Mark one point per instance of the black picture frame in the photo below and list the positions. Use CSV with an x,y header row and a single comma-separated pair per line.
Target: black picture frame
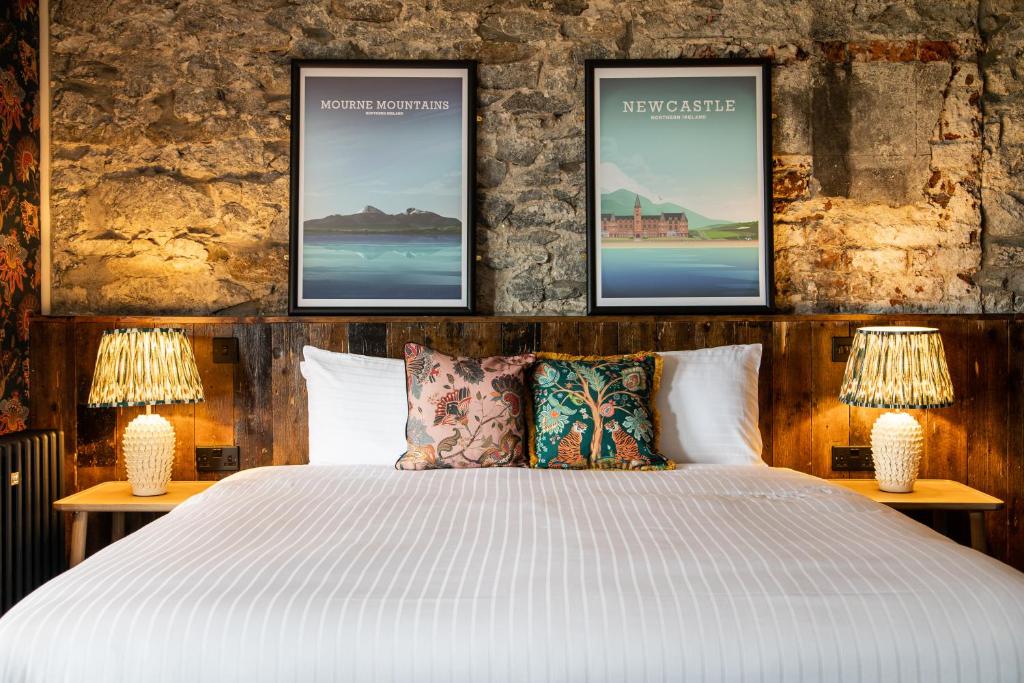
x,y
597,305
297,303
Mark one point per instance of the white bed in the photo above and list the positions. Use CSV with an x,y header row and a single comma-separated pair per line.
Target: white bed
x,y
366,573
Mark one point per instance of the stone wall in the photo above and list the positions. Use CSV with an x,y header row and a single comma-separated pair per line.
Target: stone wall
x,y
1002,276
170,142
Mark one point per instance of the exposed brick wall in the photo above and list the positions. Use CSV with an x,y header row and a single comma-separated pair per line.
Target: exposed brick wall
x,y
170,180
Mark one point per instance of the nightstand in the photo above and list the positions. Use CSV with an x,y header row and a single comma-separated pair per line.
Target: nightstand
x,y
938,495
116,497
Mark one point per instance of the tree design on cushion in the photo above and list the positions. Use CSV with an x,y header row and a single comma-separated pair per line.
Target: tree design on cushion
x,y
595,413
464,412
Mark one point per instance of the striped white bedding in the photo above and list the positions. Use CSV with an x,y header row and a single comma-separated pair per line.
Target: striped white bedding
x,y
365,573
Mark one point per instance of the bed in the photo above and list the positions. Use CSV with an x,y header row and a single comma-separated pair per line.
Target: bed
x,y
708,572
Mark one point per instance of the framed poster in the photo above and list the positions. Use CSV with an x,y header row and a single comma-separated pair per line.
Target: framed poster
x,y
382,185
679,204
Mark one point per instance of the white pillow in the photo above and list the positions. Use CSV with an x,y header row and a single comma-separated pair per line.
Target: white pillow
x,y
357,408
707,405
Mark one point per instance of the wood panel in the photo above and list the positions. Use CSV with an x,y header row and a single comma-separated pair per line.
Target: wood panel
x,y
636,337
830,419
946,441
518,338
598,339
987,429
761,333
260,402
790,399
253,389
368,339
288,393
1015,446
332,337
559,336
96,455
215,416
675,335
53,388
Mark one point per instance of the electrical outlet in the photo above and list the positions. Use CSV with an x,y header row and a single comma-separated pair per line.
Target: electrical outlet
x,y
852,459
217,458
841,349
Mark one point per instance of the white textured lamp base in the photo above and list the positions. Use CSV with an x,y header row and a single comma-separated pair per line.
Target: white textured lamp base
x,y
149,454
896,445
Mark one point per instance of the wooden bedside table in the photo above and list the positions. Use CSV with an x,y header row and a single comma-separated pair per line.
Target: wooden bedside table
x,y
116,497
936,495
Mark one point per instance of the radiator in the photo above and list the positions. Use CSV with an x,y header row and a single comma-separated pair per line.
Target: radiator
x,y
31,532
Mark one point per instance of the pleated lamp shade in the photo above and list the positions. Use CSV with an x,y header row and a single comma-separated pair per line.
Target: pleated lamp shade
x,y
144,366
898,368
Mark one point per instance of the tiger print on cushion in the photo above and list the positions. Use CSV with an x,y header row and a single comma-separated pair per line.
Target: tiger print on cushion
x,y
570,449
595,413
627,453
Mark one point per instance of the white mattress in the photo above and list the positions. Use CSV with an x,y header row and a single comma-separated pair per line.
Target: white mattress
x,y
366,573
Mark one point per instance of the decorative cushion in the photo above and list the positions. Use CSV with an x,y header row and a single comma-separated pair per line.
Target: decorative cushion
x,y
708,405
592,412
464,412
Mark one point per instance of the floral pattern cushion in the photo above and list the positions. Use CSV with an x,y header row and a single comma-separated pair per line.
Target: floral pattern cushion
x,y
596,413
464,412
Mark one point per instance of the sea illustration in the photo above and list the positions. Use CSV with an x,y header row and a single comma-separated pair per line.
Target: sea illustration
x,y
685,271
374,255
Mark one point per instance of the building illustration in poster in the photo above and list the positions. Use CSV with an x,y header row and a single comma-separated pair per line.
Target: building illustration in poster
x,y
679,196
383,202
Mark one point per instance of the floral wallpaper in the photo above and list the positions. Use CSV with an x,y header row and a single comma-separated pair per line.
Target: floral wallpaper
x,y
19,202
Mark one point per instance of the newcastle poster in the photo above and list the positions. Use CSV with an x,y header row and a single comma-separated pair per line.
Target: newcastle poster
x,y
680,203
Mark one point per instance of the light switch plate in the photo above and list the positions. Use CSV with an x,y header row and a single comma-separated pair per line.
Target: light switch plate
x,y
841,349
225,349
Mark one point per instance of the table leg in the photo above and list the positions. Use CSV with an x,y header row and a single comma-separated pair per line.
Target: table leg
x,y
978,531
79,526
116,527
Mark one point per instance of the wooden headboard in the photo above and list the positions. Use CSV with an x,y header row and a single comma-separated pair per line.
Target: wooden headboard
x,y
260,402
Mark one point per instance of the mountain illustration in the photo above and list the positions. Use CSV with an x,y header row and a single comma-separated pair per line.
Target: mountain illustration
x,y
620,203
372,219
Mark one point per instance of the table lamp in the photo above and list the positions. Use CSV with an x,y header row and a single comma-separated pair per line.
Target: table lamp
x,y
146,367
898,368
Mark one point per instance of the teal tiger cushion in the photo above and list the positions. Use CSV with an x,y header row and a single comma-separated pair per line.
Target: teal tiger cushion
x,y
595,413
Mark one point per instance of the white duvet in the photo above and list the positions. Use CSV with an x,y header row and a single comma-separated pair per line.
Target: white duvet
x,y
365,573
